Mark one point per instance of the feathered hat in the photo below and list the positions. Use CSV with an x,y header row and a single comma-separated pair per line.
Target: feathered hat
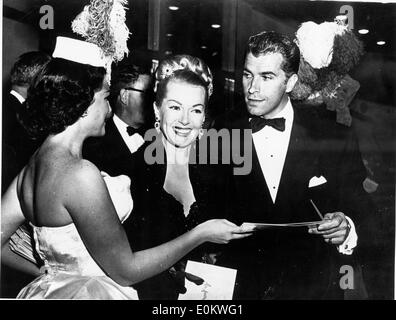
x,y
102,25
328,52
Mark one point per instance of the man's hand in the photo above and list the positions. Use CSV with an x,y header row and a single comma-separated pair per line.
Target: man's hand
x,y
334,228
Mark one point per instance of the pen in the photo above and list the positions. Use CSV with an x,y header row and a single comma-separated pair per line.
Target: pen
x,y
316,209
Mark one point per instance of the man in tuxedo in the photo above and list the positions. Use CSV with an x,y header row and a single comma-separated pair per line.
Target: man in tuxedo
x,y
17,146
300,158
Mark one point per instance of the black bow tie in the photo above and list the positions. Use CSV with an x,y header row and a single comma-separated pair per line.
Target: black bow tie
x,y
257,123
131,131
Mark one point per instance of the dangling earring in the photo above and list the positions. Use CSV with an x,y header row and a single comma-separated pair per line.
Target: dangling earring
x,y
200,133
84,114
157,125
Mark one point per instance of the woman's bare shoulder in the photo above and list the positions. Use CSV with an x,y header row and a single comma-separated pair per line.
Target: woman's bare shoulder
x,y
82,171
82,184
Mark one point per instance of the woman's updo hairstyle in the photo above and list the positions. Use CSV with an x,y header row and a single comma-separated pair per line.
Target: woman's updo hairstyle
x,y
60,95
183,68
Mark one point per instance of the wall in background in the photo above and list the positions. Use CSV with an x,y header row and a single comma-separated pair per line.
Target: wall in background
x,y
18,38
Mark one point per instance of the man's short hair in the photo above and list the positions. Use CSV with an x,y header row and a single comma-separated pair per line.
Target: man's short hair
x,y
123,76
27,67
273,42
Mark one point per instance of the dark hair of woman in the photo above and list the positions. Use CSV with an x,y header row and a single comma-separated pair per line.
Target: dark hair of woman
x,y
59,96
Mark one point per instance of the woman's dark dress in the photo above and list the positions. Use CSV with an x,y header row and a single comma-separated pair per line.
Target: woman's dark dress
x,y
158,217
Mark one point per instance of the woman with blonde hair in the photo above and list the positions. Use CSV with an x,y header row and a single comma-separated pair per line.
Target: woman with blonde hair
x,y
171,170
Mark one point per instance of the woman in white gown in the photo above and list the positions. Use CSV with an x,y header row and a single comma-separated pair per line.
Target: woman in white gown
x,y
77,228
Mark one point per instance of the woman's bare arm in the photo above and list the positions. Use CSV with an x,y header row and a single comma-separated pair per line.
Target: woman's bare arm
x,y
92,210
11,219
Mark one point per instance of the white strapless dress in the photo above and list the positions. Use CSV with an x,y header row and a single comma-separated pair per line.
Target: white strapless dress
x,y
69,270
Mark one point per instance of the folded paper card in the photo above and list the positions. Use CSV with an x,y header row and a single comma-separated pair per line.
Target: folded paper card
x,y
316,181
218,282
262,226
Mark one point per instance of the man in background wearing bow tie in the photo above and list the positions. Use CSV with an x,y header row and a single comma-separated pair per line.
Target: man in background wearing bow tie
x,y
130,99
298,154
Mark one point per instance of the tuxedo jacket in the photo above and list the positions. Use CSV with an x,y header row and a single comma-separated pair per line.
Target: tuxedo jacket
x,y
17,146
110,152
11,106
290,263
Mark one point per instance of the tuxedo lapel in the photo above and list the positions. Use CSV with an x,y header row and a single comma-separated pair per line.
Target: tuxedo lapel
x,y
300,165
252,191
115,140
109,153
256,176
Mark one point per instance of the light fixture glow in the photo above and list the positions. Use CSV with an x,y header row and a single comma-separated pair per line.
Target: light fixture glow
x,y
363,31
204,47
215,26
381,43
173,8
169,34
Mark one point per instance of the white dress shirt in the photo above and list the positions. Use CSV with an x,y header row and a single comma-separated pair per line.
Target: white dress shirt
x,y
271,146
135,141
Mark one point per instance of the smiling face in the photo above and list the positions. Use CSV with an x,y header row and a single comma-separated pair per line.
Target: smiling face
x,y
182,112
265,84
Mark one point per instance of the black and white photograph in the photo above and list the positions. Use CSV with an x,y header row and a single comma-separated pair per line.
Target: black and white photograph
x,y
210,151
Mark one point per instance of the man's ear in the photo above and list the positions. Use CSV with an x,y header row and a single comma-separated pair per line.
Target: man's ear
x,y
291,82
124,96
156,111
